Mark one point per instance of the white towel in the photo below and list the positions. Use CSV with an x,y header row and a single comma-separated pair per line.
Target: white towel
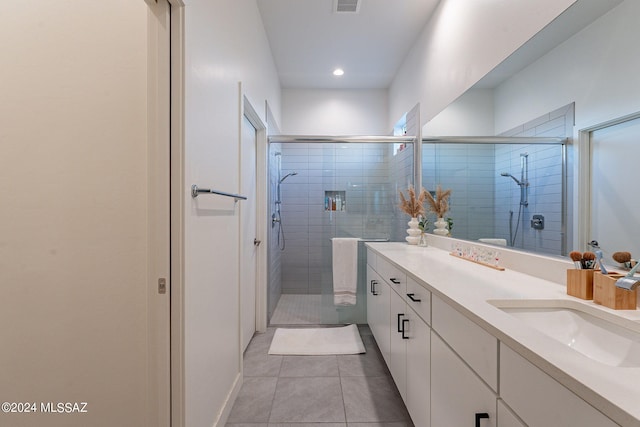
x,y
345,270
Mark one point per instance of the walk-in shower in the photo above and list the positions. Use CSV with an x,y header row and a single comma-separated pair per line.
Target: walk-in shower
x,y
523,183
321,188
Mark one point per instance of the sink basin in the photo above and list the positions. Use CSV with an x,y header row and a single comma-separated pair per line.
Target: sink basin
x,y
598,335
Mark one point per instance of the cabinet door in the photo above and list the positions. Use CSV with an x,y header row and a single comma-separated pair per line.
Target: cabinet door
x,y
398,348
506,418
378,311
539,399
418,398
457,393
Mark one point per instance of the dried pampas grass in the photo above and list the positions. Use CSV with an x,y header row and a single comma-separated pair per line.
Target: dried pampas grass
x,y
412,205
440,204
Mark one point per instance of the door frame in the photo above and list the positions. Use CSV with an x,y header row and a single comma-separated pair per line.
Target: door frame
x,y
165,314
247,110
583,165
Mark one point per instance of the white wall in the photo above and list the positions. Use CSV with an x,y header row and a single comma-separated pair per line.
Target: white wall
x,y
73,215
225,44
469,115
462,42
597,68
335,112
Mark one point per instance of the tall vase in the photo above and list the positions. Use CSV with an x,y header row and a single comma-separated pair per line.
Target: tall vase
x,y
413,232
441,227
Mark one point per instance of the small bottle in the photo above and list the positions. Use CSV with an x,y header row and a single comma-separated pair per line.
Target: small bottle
x,y
338,203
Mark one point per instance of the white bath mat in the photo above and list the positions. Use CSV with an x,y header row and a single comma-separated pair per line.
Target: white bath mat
x,y
317,341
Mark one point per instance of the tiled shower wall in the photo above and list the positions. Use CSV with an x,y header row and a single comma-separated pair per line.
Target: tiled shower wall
x,y
545,192
469,171
365,172
482,199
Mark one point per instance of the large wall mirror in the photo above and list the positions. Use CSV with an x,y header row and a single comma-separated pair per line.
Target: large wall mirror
x,y
580,71
612,205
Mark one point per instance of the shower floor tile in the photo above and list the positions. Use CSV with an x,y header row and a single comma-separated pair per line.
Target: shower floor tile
x,y
294,309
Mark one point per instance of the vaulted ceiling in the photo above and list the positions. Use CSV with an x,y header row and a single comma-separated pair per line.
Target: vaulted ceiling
x,y
309,39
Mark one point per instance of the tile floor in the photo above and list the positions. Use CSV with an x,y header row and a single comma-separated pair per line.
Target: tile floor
x,y
317,391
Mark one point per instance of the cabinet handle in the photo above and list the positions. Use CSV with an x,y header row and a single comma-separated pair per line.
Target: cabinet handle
x,y
373,289
403,329
412,298
400,322
480,416
395,281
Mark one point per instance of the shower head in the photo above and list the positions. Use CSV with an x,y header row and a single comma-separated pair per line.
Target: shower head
x,y
512,177
287,176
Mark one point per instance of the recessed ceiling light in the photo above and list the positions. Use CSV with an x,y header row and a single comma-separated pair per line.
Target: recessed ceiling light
x,y
338,72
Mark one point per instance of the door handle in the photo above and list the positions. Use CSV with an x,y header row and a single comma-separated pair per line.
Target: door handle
x,y
394,281
413,298
373,289
480,416
404,337
400,322
256,242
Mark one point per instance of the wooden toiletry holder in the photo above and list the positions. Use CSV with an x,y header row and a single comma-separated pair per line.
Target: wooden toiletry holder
x,y
606,293
580,283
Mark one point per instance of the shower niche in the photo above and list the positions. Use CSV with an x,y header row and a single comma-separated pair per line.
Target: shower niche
x,y
335,201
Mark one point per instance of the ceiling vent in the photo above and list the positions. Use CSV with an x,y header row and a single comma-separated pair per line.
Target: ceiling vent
x,y
346,6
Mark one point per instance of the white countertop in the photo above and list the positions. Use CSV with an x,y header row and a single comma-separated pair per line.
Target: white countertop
x,y
467,286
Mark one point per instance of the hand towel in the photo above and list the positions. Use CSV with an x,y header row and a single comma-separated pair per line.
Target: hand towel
x,y
345,270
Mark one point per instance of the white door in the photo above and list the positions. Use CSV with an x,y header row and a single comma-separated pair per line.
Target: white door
x,y
248,235
78,190
614,171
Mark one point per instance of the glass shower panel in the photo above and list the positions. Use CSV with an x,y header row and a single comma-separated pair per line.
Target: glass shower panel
x,y
338,190
365,179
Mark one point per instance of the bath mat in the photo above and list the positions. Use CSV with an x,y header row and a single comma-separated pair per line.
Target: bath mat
x,y
317,341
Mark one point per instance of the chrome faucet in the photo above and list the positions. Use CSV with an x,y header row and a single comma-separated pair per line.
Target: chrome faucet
x,y
629,282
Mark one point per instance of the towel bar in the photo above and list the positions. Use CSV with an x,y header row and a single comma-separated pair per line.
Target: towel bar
x,y
195,191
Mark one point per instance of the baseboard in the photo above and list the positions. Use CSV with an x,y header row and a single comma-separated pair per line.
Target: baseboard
x,y
228,404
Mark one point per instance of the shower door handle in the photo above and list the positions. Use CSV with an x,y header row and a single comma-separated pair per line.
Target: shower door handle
x,y
256,242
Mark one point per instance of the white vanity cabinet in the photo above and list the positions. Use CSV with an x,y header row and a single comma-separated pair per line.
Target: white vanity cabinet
x,y
418,369
378,310
541,401
458,396
451,372
477,347
398,344
410,356
404,339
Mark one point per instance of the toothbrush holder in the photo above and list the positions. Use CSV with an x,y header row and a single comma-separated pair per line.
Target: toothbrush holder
x,y
580,283
605,292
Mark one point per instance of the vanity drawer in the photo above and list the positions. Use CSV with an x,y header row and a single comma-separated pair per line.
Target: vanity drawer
x,y
394,276
419,299
371,259
472,343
